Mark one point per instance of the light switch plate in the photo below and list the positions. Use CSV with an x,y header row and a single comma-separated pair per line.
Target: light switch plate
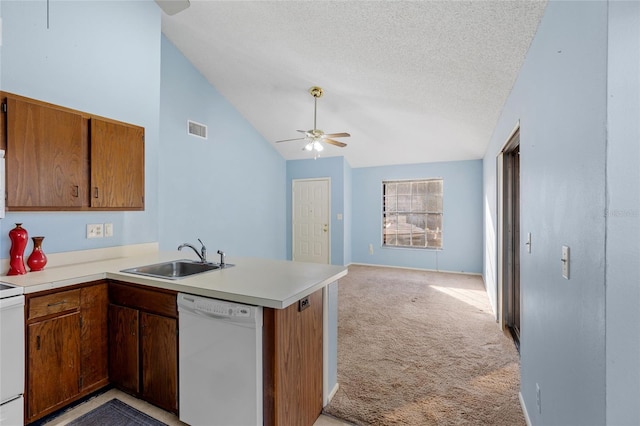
x,y
565,261
108,229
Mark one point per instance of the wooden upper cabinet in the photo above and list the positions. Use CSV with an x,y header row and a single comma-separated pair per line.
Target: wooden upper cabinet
x,y
117,165
62,159
46,156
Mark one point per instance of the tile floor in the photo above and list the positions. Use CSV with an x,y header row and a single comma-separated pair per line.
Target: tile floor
x,y
153,411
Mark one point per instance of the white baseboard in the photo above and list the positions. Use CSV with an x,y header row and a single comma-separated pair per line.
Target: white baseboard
x,y
524,409
333,393
415,269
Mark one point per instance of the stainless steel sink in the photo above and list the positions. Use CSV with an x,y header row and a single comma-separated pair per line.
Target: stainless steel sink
x,y
174,270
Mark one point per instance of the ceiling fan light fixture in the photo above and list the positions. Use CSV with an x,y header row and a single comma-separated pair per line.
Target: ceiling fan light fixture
x,y
315,136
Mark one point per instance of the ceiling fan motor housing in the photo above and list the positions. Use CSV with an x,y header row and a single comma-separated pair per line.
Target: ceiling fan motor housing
x,y
316,91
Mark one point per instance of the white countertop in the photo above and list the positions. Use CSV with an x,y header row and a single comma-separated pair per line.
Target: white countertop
x,y
262,282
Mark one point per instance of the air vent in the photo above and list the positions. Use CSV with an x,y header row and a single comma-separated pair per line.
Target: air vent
x,y
196,129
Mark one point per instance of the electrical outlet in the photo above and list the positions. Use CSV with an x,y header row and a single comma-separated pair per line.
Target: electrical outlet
x,y
95,230
370,248
108,229
303,304
538,399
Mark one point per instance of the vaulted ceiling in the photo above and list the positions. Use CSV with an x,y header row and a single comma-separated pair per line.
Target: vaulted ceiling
x,y
411,81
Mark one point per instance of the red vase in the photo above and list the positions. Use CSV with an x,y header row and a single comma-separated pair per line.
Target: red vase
x,y
18,237
37,260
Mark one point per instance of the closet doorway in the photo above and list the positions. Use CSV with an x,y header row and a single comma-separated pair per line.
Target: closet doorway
x,y
509,235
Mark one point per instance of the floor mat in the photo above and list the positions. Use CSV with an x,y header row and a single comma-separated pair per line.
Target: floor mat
x,y
115,413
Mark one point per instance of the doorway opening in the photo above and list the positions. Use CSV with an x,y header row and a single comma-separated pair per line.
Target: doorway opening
x,y
509,234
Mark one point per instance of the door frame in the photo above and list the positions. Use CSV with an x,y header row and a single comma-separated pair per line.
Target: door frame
x,y
293,211
502,234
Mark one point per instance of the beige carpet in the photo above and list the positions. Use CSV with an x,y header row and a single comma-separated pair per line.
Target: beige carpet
x,y
422,348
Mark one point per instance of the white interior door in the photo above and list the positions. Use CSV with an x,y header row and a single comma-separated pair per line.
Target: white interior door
x,y
311,220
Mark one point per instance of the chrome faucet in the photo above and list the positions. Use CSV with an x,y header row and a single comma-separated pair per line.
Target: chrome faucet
x,y
203,251
221,253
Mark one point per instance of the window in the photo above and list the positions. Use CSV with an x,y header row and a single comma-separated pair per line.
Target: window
x,y
412,213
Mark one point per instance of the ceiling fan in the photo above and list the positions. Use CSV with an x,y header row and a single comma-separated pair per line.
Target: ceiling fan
x,y
315,136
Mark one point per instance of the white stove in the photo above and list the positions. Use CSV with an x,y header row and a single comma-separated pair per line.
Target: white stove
x,y
11,355
8,290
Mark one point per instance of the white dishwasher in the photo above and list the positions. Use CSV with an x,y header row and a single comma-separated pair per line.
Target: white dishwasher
x,y
220,361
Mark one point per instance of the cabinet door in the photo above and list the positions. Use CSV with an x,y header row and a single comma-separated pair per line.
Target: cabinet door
x,y
123,348
94,302
117,165
53,366
46,157
160,361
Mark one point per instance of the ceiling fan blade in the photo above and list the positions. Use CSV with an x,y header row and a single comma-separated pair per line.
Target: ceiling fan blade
x,y
336,143
337,135
289,140
301,131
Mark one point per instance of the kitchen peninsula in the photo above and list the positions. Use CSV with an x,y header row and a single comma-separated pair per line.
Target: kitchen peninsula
x,y
84,308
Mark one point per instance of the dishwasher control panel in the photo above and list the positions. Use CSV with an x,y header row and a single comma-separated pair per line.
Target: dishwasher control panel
x,y
215,308
220,308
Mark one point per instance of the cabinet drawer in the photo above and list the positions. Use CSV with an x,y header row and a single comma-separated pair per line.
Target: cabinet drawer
x,y
41,306
157,302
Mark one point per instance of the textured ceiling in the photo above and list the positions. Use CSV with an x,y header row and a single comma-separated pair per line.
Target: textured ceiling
x,y
415,81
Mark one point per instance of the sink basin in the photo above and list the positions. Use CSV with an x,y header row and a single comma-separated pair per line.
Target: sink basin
x,y
174,270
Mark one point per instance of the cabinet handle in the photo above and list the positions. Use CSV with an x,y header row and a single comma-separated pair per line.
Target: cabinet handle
x,y
95,192
38,343
76,191
62,302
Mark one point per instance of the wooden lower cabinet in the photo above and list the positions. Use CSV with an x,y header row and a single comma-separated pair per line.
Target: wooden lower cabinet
x,y
54,362
143,344
94,361
159,360
124,358
66,347
292,364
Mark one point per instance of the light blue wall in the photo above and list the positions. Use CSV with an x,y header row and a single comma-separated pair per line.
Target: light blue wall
x,y
101,57
337,169
462,220
228,190
560,99
623,215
